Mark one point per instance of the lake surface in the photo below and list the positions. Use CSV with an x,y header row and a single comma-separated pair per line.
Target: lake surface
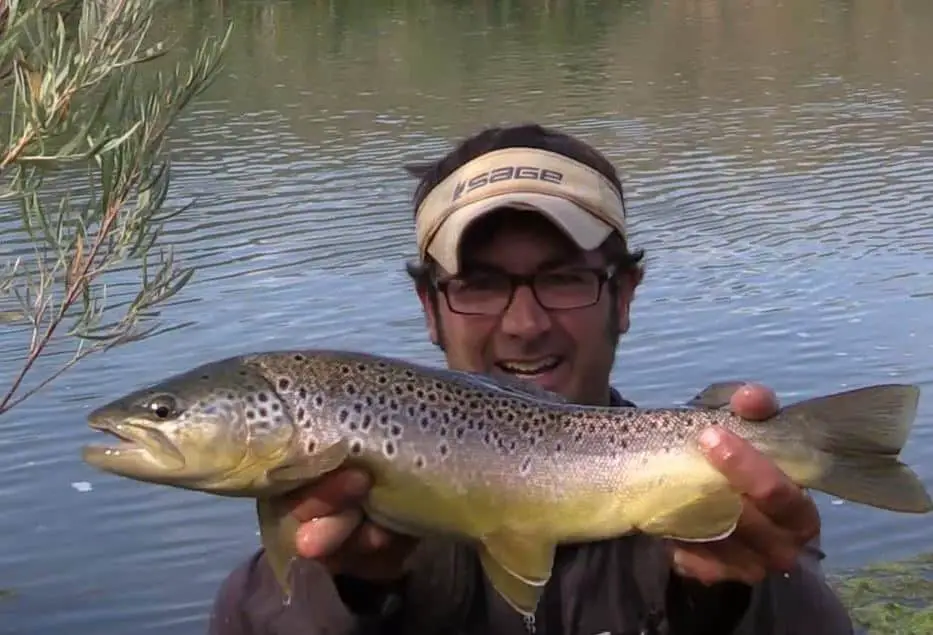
x,y
778,158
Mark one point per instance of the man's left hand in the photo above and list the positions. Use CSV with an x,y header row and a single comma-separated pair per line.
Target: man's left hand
x,y
778,518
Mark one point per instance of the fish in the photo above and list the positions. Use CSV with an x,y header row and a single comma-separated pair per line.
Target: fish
x,y
509,468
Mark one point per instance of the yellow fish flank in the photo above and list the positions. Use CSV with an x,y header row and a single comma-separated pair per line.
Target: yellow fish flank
x,y
507,467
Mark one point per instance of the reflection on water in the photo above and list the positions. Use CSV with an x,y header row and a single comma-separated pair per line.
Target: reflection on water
x,y
779,163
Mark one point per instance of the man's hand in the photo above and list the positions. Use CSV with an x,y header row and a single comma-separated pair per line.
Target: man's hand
x,y
778,518
334,531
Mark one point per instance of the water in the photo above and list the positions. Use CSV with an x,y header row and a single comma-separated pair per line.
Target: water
x,y
778,159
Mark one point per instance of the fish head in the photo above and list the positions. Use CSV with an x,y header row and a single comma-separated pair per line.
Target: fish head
x,y
217,428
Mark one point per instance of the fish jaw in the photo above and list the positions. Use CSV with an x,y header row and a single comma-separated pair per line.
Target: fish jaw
x,y
140,452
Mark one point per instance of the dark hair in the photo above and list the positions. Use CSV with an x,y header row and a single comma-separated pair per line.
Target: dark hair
x,y
615,247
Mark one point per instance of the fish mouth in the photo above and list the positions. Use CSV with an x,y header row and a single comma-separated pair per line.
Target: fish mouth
x,y
136,444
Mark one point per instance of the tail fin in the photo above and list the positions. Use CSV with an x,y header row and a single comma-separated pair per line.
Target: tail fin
x,y
863,431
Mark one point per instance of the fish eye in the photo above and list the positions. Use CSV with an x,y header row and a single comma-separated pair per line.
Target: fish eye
x,y
162,406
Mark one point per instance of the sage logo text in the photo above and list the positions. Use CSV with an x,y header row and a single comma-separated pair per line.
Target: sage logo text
x,y
506,173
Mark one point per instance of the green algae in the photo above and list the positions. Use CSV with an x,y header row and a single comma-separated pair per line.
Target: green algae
x,y
892,598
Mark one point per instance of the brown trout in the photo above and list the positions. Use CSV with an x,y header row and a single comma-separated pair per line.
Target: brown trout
x,y
510,468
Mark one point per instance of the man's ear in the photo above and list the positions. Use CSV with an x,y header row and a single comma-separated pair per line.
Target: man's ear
x,y
626,293
430,314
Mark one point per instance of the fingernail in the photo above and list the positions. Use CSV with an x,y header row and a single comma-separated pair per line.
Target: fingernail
x,y
710,438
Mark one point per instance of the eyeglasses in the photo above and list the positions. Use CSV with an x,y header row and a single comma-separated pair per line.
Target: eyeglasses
x,y
491,293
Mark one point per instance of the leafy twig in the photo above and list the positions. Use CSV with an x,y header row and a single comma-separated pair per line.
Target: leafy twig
x,y
77,104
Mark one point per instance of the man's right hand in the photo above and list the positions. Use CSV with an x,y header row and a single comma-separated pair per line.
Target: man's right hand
x,y
334,531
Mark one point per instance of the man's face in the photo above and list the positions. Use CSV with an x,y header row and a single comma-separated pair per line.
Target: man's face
x,y
568,351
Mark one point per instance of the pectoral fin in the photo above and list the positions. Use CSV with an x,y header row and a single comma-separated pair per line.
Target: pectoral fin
x,y
518,567
308,467
277,529
715,396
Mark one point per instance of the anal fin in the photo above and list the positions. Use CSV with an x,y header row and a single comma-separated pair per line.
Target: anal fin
x,y
518,567
704,518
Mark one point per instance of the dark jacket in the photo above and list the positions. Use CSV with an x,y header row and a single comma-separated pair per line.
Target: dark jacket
x,y
623,586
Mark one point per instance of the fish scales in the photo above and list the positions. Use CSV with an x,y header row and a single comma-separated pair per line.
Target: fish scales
x,y
510,468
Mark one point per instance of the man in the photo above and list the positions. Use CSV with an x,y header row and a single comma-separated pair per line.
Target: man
x,y
524,271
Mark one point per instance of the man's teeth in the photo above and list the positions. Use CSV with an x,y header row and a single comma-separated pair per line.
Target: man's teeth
x,y
530,368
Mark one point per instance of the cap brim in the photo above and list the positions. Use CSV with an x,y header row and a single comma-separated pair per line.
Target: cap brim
x,y
580,225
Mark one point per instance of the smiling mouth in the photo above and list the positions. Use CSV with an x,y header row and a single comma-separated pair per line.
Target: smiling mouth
x,y
530,368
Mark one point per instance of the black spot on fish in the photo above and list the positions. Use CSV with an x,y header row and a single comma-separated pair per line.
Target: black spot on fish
x,y
425,423
318,401
361,367
350,389
343,415
526,465
558,446
395,430
358,408
369,401
300,414
422,407
250,414
284,383
205,377
275,406
526,426
345,370
263,397
302,393
263,412
443,448
419,462
398,390
367,421
356,447
382,379
419,394
388,447
298,357
250,399
459,432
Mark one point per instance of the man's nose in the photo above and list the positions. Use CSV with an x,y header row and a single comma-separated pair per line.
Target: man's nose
x,y
525,317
